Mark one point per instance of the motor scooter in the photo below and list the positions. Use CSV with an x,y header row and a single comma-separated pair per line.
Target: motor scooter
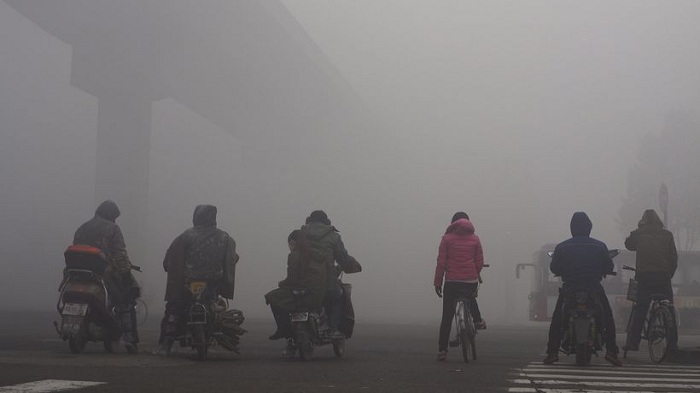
x,y
583,321
208,321
310,328
84,303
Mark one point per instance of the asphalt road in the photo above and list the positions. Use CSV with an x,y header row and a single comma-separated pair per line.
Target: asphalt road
x,y
379,358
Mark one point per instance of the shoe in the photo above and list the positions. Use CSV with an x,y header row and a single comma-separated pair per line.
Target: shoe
x,y
481,325
278,334
442,356
454,343
131,347
337,335
613,359
551,358
290,350
165,347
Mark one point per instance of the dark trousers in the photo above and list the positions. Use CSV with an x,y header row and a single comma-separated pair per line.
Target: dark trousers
x,y
451,292
556,326
172,324
644,291
284,325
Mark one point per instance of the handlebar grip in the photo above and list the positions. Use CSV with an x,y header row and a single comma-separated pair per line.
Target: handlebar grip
x,y
137,268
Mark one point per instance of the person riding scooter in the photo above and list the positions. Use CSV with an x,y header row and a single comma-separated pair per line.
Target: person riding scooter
x,y
102,232
307,270
325,238
581,262
202,252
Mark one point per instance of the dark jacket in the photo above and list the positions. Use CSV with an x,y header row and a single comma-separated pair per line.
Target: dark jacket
x,y
201,253
102,232
307,273
581,260
657,258
326,240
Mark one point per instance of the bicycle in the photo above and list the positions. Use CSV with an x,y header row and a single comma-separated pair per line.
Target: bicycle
x,y
465,330
657,322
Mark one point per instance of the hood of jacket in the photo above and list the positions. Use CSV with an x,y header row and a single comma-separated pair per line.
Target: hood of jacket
x,y
580,224
204,215
317,230
461,227
107,210
650,218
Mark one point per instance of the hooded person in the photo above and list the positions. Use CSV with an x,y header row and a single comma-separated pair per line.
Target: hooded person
x,y
325,239
459,263
656,263
581,262
103,232
307,270
201,253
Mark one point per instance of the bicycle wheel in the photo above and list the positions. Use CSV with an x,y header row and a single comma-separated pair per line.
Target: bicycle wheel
x,y
657,336
141,312
466,333
471,334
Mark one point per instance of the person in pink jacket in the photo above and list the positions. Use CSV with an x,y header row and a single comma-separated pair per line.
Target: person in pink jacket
x,y
459,263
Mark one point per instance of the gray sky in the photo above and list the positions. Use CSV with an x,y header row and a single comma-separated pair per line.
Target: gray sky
x,y
519,113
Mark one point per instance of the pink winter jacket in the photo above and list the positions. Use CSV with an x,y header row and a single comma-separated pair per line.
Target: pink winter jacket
x,y
460,257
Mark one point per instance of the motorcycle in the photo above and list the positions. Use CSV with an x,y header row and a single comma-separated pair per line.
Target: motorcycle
x,y
583,321
310,328
209,321
84,303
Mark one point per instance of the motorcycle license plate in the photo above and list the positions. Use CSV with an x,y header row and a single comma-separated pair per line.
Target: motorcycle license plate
x,y
300,316
75,309
197,287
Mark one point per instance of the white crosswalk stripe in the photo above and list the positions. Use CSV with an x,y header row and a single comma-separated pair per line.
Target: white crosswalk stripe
x,y
47,386
539,378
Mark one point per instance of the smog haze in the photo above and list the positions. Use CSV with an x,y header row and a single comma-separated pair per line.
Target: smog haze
x,y
388,115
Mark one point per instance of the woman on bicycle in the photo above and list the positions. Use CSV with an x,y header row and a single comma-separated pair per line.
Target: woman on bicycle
x,y
460,260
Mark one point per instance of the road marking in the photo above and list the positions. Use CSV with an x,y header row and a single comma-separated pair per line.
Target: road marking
x,y
538,378
593,368
694,388
617,371
611,378
540,390
48,385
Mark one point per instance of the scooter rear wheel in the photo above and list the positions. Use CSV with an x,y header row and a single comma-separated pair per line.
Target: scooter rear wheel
x,y
108,345
76,343
583,354
201,340
306,348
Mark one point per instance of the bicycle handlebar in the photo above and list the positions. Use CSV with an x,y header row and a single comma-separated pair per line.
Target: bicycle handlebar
x,y
625,267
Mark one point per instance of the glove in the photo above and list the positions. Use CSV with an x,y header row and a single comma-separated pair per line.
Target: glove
x,y
438,291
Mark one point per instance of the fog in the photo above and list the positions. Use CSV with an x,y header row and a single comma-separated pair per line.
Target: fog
x,y
389,115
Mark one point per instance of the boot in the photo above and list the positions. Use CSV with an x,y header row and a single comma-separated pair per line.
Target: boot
x,y
283,325
127,320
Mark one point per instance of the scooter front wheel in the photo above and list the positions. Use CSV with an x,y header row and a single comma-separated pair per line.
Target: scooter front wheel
x,y
339,347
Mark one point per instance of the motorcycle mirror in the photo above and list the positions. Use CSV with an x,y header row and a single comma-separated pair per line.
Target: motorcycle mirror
x,y
550,253
614,252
